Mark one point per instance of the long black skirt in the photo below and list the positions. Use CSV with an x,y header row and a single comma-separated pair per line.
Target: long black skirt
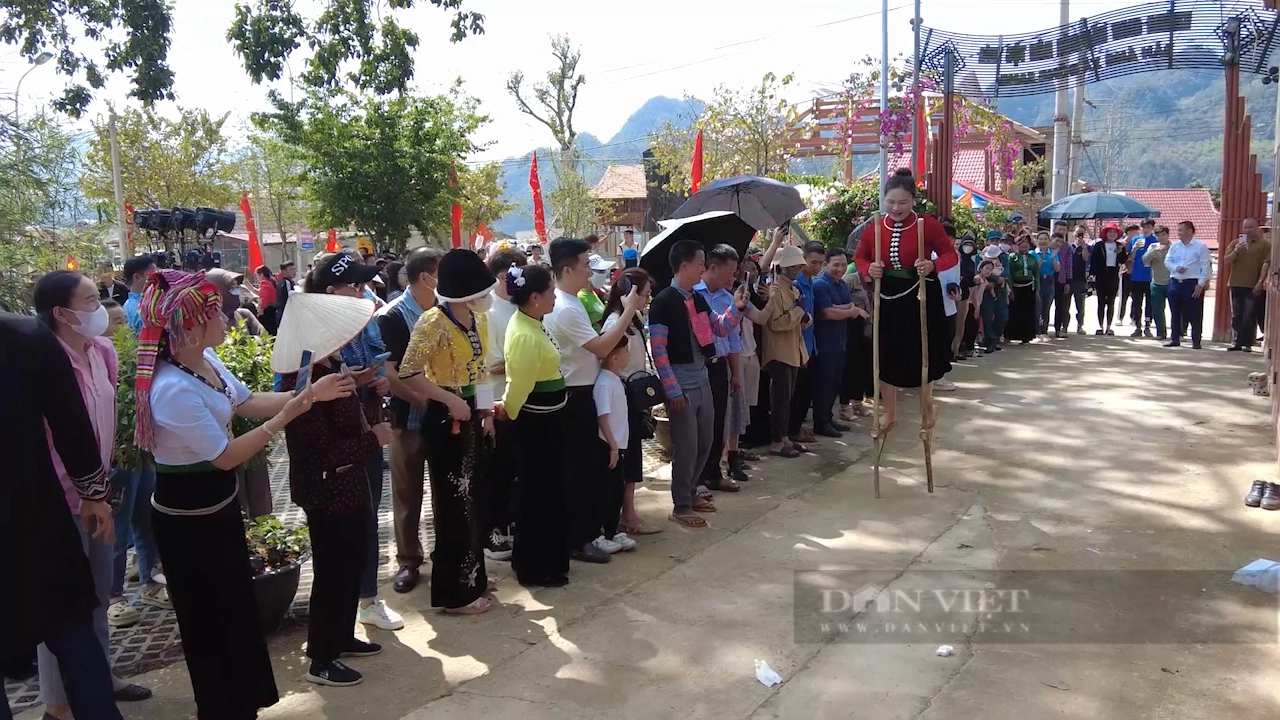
x,y
206,563
1022,314
455,461
900,352
541,549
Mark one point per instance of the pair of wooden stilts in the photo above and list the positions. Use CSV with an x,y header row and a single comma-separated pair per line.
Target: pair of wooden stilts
x,y
926,390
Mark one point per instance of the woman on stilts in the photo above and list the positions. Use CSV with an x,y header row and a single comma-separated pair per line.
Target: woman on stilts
x,y
900,271
446,364
186,398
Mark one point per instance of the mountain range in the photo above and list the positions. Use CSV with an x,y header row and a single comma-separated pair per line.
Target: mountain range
x,y
1155,130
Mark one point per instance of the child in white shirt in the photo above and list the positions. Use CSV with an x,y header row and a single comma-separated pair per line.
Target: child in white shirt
x,y
610,396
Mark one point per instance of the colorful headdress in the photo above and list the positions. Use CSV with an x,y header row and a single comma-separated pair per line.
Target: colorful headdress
x,y
176,302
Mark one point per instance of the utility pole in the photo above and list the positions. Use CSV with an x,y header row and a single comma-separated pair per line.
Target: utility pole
x,y
1061,151
116,180
918,130
884,91
1077,140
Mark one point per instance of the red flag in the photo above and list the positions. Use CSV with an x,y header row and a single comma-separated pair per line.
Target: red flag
x,y
332,245
255,249
696,174
455,212
539,214
72,265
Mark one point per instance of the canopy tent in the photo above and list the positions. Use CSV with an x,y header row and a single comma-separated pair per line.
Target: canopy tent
x,y
977,199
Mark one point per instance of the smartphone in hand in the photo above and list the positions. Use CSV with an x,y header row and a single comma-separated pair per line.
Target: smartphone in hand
x,y
304,374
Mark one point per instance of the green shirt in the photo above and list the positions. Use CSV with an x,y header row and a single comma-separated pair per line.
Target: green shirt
x,y
1023,269
593,305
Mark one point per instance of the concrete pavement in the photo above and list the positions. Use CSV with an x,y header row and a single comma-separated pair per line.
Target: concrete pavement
x,y
1083,454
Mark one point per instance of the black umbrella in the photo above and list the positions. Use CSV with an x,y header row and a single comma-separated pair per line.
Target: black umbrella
x,y
1094,206
708,229
762,202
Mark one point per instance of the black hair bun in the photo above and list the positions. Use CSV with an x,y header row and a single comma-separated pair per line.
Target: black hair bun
x,y
902,172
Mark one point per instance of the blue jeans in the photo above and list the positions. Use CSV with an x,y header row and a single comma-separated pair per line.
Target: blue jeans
x,y
995,312
369,578
133,525
100,554
1044,302
1159,293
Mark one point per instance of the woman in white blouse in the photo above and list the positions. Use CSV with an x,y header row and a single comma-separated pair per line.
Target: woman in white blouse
x,y
186,398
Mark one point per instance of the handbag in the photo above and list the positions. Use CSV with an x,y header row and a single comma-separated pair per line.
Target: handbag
x,y
644,388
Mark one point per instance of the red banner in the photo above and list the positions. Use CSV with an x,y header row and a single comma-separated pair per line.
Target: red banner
x,y
539,213
332,246
72,265
695,175
255,249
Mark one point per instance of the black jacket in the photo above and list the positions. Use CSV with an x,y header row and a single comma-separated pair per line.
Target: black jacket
x,y
668,309
42,557
1098,260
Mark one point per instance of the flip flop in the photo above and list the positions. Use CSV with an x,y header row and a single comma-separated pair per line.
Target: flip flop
x,y
475,607
690,521
702,506
750,456
787,452
799,447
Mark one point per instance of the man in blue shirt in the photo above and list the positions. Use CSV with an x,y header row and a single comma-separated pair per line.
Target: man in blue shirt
x,y
136,271
722,370
1046,287
1140,277
815,255
833,309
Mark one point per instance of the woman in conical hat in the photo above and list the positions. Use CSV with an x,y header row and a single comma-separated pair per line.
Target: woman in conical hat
x,y
446,363
186,398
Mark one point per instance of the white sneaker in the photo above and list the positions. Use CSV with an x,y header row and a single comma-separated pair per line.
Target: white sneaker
x,y
624,542
944,385
606,545
380,616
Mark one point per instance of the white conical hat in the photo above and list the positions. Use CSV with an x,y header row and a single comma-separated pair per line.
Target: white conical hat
x,y
319,322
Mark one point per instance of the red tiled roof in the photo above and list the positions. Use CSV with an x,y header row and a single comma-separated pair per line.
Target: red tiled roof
x,y
968,167
621,182
1176,205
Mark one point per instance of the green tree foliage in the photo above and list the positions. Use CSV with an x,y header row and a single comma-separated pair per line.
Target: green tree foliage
x,y
129,37
379,165
480,192
844,207
38,168
271,171
575,210
354,43
743,133
164,163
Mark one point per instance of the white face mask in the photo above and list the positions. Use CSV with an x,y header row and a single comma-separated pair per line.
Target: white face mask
x,y
92,324
599,280
480,305
235,291
1005,247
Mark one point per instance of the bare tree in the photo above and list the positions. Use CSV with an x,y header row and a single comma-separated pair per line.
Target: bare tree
x,y
557,97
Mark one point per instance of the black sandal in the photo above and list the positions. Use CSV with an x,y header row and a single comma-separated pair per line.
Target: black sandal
x,y
787,452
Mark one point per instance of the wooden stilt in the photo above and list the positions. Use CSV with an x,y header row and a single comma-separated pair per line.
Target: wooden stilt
x,y
926,389
875,366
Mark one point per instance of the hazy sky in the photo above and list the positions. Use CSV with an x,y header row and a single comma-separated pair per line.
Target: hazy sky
x,y
631,51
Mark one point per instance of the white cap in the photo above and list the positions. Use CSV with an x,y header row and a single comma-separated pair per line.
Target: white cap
x,y
598,263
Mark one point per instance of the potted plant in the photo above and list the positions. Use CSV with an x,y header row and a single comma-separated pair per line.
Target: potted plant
x,y
275,557
248,357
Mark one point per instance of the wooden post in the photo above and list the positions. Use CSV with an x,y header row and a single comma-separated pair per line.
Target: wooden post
x,y
875,366
926,390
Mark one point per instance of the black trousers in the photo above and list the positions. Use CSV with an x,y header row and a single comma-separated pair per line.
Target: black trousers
x,y
1140,292
856,383
718,375
1062,308
1244,306
498,504
801,400
1126,289
1106,288
339,552
582,484
610,495
1184,309
829,367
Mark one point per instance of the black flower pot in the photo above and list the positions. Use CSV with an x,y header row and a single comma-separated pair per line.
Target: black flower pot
x,y
274,592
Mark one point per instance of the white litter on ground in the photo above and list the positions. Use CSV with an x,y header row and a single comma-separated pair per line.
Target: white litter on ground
x,y
1261,573
946,651
766,675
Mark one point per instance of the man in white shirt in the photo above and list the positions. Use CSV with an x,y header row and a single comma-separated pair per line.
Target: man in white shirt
x,y
1189,266
581,350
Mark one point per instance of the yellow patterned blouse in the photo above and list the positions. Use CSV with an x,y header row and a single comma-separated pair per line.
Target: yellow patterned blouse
x,y
449,356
